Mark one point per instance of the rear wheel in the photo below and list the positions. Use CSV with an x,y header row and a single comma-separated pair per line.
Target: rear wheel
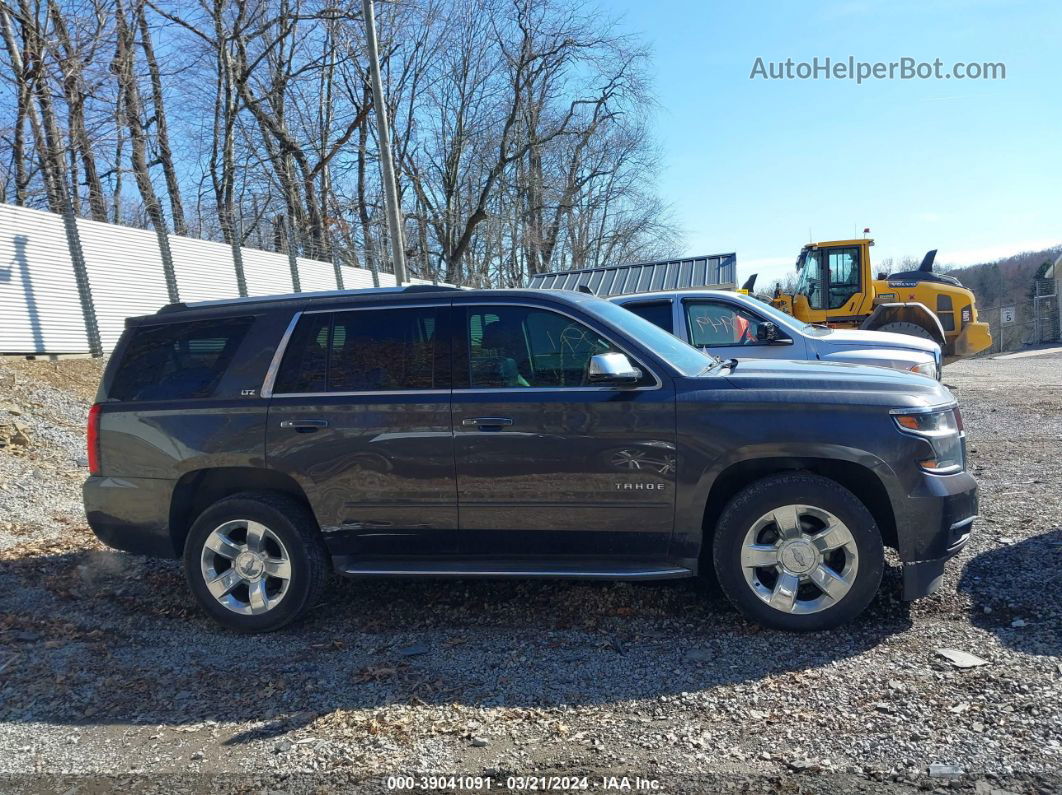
x,y
904,327
255,561
798,551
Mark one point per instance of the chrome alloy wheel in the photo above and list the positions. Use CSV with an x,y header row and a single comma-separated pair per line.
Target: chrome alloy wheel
x,y
799,559
246,567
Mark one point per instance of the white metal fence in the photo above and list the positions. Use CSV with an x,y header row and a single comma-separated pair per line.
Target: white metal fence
x,y
40,309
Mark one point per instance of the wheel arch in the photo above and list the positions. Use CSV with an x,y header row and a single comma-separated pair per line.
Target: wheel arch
x,y
199,489
855,476
910,312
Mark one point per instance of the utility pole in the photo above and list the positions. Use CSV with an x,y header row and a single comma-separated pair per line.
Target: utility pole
x,y
383,134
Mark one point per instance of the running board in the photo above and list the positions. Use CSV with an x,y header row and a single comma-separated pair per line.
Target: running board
x,y
503,569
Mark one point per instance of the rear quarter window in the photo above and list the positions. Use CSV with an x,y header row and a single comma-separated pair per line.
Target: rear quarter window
x,y
177,361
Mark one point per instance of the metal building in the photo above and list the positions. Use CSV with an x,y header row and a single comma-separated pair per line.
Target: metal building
x,y
718,271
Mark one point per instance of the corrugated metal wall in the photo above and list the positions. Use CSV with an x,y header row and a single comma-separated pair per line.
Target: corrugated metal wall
x,y
39,307
717,270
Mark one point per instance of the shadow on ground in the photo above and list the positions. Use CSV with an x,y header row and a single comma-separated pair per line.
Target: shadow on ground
x,y
92,637
1016,593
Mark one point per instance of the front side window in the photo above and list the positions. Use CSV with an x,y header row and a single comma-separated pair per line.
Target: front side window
x,y
177,361
716,323
382,350
844,275
520,347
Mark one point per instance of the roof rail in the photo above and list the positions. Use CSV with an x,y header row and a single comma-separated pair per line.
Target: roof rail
x,y
259,299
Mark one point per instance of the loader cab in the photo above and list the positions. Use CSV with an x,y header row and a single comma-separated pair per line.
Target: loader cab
x,y
833,281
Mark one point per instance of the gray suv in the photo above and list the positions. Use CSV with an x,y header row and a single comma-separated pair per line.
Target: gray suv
x,y
432,432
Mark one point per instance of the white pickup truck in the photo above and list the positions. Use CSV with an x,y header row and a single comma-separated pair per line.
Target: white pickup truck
x,y
733,325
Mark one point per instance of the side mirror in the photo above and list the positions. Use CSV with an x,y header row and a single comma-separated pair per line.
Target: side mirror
x,y
612,368
767,332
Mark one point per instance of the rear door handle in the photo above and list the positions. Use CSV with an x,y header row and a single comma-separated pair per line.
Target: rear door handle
x,y
486,421
304,426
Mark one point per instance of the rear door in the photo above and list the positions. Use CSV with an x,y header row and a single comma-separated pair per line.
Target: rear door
x,y
730,330
549,465
360,417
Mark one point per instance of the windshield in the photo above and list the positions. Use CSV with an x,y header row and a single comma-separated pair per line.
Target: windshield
x,y
684,358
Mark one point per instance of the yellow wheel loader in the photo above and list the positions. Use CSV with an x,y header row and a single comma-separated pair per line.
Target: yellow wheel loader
x,y
835,287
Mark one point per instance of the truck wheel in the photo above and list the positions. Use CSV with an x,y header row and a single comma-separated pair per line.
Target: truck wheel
x,y
904,327
798,552
255,561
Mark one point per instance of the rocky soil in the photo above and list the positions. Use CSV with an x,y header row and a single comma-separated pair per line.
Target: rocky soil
x,y
111,678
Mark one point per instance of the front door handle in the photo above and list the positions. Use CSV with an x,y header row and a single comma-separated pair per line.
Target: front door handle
x,y
304,426
486,421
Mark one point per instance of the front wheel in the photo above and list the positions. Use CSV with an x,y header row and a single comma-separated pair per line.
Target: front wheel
x,y
255,561
798,552
905,327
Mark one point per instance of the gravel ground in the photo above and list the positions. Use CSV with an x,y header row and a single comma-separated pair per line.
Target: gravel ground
x,y
110,678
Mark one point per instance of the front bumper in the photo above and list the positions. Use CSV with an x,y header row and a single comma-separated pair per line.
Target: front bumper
x,y
131,514
935,525
923,577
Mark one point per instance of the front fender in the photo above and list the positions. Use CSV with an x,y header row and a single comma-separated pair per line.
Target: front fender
x,y
697,499
909,312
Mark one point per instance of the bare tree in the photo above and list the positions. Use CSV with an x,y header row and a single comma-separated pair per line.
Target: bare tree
x,y
125,72
519,127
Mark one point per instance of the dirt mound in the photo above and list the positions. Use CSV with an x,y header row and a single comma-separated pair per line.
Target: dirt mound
x,y
43,409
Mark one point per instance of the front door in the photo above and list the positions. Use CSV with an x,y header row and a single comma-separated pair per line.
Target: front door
x,y
360,418
843,297
549,464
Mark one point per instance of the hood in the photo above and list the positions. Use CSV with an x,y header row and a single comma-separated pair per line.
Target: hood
x,y
878,339
835,382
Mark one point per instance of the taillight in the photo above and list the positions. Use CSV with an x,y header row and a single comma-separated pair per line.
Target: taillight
x,y
92,439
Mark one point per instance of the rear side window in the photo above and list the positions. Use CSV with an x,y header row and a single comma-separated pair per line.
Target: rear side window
x,y
658,313
379,350
177,361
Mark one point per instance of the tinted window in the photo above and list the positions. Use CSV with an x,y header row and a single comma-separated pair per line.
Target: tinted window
x,y
178,360
305,365
366,351
657,313
713,323
515,346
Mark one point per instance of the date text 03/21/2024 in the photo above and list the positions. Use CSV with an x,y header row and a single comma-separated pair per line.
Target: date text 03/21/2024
x,y
438,783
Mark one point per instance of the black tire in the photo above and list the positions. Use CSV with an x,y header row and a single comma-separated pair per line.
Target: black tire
x,y
745,510
294,526
906,327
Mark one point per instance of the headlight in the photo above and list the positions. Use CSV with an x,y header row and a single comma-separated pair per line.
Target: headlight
x,y
928,369
942,429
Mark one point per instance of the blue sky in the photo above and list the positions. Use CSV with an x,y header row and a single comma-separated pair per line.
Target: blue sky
x,y
970,167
